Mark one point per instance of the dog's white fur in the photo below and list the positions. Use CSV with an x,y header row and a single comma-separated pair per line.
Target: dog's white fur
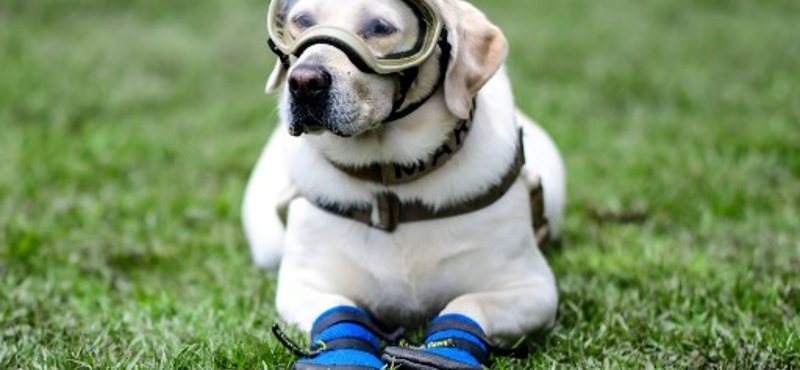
x,y
485,264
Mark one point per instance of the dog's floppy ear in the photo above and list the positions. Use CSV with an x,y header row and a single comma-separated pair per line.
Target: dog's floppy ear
x,y
479,48
276,78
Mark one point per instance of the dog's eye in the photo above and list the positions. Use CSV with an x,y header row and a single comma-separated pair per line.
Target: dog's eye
x,y
303,21
378,27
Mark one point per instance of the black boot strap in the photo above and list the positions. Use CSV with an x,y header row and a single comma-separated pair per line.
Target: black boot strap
x,y
457,324
462,344
346,343
348,316
322,346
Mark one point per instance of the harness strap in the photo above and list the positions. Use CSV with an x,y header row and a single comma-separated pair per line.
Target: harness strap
x,y
395,173
541,226
391,211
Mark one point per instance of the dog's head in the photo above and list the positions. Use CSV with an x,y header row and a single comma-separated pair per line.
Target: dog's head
x,y
328,88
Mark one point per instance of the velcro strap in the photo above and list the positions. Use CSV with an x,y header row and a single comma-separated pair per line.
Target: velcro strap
x,y
462,344
346,343
353,315
446,323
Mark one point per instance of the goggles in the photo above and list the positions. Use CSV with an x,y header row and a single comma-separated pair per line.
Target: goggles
x,y
292,29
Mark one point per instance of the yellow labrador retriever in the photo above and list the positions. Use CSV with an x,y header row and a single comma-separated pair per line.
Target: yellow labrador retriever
x,y
404,188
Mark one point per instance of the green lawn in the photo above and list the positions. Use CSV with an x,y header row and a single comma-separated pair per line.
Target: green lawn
x,y
128,128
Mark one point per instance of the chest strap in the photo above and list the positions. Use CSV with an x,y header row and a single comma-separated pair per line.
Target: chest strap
x,y
389,211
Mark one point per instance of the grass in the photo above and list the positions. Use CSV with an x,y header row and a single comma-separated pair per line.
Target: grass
x,y
129,128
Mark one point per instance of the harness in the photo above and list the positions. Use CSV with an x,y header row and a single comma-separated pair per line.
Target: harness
x,y
388,211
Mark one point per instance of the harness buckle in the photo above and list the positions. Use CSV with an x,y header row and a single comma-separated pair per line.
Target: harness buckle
x,y
388,211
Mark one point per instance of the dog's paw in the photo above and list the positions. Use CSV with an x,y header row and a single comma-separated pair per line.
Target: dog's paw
x,y
453,342
343,338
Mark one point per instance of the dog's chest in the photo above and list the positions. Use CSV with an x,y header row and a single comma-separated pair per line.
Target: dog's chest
x,y
414,271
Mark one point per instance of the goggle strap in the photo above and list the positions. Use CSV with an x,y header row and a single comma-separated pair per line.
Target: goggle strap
x,y
446,49
444,61
281,55
407,79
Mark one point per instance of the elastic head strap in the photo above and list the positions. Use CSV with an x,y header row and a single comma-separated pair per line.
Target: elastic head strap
x,y
407,80
284,59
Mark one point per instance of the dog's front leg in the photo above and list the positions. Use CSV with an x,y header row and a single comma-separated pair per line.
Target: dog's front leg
x,y
507,315
343,336
268,191
473,325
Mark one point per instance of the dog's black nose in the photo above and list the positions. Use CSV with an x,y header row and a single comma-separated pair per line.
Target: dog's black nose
x,y
309,82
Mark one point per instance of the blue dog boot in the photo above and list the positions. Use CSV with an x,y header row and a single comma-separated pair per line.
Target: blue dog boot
x,y
452,342
343,338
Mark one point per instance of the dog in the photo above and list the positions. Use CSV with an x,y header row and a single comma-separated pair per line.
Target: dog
x,y
402,198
